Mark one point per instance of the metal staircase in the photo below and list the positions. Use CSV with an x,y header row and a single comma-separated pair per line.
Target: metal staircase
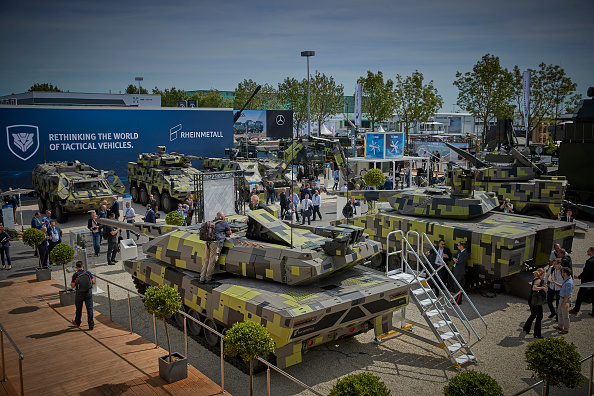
x,y
447,326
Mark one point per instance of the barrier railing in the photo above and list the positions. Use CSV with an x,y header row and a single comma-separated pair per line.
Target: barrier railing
x,y
545,386
205,326
18,351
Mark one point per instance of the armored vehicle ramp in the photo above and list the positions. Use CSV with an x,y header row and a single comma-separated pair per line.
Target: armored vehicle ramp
x,y
447,326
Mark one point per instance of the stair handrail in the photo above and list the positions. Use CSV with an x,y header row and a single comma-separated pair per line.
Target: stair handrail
x,y
19,353
401,251
451,276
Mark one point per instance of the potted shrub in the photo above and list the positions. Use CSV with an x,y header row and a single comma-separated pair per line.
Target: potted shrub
x,y
472,383
360,384
374,177
164,301
248,339
63,254
174,218
554,361
33,237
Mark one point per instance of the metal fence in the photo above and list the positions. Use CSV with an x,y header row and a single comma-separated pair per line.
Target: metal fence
x,y
17,350
186,317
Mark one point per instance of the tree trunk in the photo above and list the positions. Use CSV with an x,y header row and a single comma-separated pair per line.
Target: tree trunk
x,y
168,342
65,282
251,377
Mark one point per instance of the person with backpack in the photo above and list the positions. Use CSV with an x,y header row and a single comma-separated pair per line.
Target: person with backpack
x,y
111,234
83,282
216,232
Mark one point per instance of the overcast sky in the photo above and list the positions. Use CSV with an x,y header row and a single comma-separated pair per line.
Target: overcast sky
x,y
98,46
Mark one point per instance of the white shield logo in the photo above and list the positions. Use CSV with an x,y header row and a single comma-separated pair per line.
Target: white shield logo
x,y
23,140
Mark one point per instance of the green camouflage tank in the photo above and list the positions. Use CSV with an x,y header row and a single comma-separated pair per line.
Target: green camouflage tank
x,y
72,187
168,176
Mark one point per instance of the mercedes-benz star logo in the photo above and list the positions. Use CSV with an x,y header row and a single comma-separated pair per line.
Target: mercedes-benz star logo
x,y
280,119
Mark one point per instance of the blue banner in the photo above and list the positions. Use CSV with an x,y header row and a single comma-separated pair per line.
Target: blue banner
x,y
105,138
394,145
374,145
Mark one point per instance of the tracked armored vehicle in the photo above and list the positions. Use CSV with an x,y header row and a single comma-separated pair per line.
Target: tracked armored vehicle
x,y
302,285
168,176
72,187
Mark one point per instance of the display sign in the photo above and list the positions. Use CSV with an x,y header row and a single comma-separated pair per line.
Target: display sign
x,y
374,145
104,138
257,124
394,145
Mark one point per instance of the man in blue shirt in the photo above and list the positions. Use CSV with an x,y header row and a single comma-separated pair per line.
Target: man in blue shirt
x,y
565,294
336,179
47,218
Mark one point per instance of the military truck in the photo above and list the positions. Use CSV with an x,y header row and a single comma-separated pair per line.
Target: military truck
x,y
168,176
302,285
69,187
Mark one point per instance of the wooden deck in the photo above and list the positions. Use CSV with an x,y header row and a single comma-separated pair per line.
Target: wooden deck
x,y
61,359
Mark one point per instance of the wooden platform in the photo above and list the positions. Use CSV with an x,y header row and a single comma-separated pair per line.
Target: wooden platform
x,y
61,359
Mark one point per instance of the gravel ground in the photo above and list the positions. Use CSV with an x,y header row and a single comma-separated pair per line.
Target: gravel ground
x,y
404,364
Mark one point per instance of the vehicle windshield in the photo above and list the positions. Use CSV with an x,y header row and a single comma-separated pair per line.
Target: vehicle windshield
x,y
88,185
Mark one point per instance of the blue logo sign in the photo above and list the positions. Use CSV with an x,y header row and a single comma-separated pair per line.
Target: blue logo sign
x,y
23,140
374,145
394,145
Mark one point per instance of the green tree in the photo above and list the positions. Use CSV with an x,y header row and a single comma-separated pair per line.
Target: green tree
x,y
293,95
358,385
174,218
133,89
472,383
571,104
33,237
169,97
415,101
326,98
266,99
162,301
211,99
45,87
550,88
62,254
487,91
248,340
377,97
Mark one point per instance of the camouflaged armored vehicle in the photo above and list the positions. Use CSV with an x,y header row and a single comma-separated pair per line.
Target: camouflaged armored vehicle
x,y
531,193
72,187
168,176
300,284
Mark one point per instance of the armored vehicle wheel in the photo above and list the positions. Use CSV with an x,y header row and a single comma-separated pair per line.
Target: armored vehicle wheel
x,y
143,196
211,338
157,197
169,203
377,260
140,285
53,206
42,203
194,328
61,214
134,193
179,318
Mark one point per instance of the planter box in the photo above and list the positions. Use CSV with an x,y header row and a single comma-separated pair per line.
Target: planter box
x,y
175,371
43,274
67,297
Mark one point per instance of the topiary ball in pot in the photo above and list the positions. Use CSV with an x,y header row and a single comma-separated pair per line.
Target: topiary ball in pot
x,y
174,218
472,383
360,384
554,361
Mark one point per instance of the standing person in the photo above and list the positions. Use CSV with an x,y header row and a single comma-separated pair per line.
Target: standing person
x,y
336,180
53,236
565,259
269,193
112,241
93,226
316,200
190,212
538,284
290,213
283,202
507,206
554,253
149,216
554,279
295,201
102,212
115,207
459,269
565,293
182,211
315,188
350,208
42,248
344,187
153,202
438,262
586,276
5,248
407,174
129,215
306,209
13,200
212,250
83,282
36,221
568,217
47,218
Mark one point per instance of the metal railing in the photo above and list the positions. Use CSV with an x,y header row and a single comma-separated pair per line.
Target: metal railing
x,y
18,351
205,326
545,385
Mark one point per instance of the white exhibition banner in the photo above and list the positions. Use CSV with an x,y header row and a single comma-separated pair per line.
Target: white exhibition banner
x,y
358,104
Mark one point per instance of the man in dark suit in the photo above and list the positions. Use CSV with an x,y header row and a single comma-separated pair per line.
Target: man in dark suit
x,y
586,276
115,207
434,259
568,217
459,269
53,236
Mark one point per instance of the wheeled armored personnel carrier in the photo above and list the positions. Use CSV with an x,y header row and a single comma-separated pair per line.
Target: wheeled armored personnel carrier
x,y
72,187
302,285
168,176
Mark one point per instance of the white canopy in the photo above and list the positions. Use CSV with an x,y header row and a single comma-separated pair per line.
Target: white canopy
x,y
325,131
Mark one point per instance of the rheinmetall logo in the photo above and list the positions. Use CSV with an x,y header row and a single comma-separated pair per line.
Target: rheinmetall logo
x,y
176,132
23,140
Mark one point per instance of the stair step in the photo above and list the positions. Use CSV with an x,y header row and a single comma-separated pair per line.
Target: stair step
x,y
435,312
426,302
449,335
408,278
441,323
454,347
465,359
421,290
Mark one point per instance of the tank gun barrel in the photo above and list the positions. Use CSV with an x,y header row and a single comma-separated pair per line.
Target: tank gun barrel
x,y
238,114
474,161
150,230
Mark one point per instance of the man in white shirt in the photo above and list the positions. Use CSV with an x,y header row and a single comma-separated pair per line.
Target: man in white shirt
x,y
317,202
554,253
344,188
307,208
129,215
554,278
507,206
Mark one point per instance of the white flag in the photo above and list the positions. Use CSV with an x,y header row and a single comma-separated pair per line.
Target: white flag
x,y
358,105
526,100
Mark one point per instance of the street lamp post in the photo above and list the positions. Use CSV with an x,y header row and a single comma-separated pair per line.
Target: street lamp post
x,y
139,79
308,54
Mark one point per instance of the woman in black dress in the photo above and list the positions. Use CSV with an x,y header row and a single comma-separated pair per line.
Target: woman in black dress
x,y
536,310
